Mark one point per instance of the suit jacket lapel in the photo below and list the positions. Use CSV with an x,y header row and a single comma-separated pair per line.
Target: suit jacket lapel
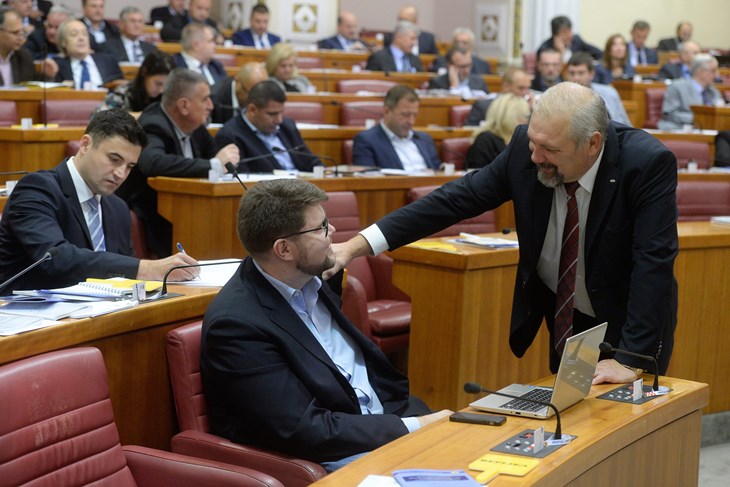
x,y
386,146
259,146
69,191
604,189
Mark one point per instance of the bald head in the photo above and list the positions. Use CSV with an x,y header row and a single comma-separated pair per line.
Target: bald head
x,y
249,75
409,13
347,25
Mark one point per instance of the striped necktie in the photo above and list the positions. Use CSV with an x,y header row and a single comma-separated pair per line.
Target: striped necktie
x,y
95,229
567,272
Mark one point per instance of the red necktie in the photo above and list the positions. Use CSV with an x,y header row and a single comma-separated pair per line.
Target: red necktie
x,y
566,272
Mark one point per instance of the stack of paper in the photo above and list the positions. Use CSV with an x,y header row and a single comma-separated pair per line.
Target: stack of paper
x,y
488,242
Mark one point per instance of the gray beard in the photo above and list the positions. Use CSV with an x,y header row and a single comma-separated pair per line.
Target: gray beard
x,y
550,181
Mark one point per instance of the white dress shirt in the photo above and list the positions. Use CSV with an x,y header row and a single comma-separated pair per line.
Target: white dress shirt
x,y
410,157
94,74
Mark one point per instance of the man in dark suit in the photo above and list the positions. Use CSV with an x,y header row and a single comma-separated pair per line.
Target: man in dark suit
x,y
549,66
163,14
282,367
230,95
681,69
464,37
179,146
684,34
262,132
565,42
393,143
514,80
24,8
43,42
258,34
346,38
79,65
426,43
639,53
99,30
459,79
128,47
198,13
198,49
619,261
397,56
20,59
72,208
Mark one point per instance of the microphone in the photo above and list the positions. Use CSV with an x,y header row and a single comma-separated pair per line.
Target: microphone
x,y
607,348
246,160
163,291
507,230
298,151
52,252
44,107
14,173
232,169
474,388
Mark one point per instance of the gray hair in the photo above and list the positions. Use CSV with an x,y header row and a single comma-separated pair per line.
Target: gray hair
x,y
701,61
128,10
464,30
191,32
405,27
180,83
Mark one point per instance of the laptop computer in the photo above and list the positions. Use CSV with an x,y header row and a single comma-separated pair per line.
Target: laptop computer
x,y
572,383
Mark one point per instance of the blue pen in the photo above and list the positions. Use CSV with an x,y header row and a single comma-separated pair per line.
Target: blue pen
x,y
180,248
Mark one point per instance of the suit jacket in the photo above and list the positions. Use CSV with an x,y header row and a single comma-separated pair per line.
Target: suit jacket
x,y
426,42
163,156
678,97
671,71
110,31
107,65
478,65
576,45
373,148
669,44
333,43
221,93
383,60
614,105
115,46
476,82
44,212
39,46
539,85
245,38
478,112
162,14
651,55
214,66
269,382
630,237
21,65
236,131
484,150
172,30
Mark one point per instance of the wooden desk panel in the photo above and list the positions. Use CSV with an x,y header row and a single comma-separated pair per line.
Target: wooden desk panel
x,y
711,118
28,102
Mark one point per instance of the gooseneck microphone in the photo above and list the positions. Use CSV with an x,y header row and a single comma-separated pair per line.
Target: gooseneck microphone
x,y
163,291
474,388
608,348
232,169
298,151
52,252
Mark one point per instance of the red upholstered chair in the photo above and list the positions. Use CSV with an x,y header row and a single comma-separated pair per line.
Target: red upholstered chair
x,y
686,150
654,101
370,85
483,223
354,113
304,111
57,429
454,150
139,238
309,62
343,213
529,61
195,438
72,147
8,114
701,200
347,151
70,112
458,115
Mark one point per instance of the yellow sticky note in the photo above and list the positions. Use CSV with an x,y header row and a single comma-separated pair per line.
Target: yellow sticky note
x,y
444,247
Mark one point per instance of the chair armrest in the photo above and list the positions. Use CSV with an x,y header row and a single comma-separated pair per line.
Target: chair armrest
x,y
355,305
157,468
291,471
382,269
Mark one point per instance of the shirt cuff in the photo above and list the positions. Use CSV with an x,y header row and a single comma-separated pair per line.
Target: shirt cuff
x,y
412,424
216,164
376,239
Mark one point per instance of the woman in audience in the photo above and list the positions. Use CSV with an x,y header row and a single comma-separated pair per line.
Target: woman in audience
x,y
282,67
504,114
615,63
146,87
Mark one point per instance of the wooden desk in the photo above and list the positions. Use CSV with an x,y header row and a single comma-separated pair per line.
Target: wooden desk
x,y
704,136
28,101
628,90
462,303
132,342
656,443
715,118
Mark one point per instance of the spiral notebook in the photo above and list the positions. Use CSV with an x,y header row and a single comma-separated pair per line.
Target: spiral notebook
x,y
81,291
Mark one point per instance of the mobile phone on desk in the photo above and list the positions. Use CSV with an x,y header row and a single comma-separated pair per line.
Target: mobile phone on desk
x,y
476,418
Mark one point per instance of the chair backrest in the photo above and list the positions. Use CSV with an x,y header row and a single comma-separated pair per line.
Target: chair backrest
x,y
70,112
454,150
343,213
359,268
309,62
8,113
354,113
686,150
347,151
701,200
227,60
57,426
369,85
654,102
483,223
139,237
304,111
72,147
183,360
529,61
458,115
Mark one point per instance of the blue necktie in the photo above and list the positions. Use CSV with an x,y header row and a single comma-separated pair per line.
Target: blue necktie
x,y
95,229
406,64
707,98
85,76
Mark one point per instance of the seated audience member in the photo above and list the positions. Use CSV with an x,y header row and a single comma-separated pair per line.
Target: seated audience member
x,y
681,69
514,80
464,37
258,34
549,66
282,366
347,38
198,13
79,65
99,30
166,12
459,79
699,90
128,47
639,52
146,87
179,146
198,49
18,61
505,113
684,34
281,64
398,56
230,94
615,63
24,8
565,42
393,143
43,42
263,129
580,70
72,208
426,42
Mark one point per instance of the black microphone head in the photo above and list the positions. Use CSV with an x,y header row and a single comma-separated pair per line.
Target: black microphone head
x,y
53,252
506,231
472,388
230,167
605,347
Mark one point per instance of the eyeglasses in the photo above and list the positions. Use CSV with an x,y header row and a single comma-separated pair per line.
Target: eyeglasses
x,y
324,226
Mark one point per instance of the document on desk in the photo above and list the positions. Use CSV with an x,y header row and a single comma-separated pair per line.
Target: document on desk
x,y
434,478
214,275
48,310
12,325
487,242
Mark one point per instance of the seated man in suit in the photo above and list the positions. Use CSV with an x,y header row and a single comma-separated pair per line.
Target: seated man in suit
x,y
549,66
346,38
12,52
398,56
128,47
282,366
166,12
638,51
230,95
393,144
72,207
24,8
681,70
426,40
179,146
198,13
99,31
258,34
263,133
514,80
79,65
459,79
565,42
43,42
198,49
684,34
464,37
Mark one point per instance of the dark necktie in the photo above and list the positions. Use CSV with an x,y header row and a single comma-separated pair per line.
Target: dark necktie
x,y
138,56
95,229
641,56
406,64
567,271
85,76
707,98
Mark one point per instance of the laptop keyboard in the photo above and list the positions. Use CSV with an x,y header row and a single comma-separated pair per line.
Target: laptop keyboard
x,y
535,394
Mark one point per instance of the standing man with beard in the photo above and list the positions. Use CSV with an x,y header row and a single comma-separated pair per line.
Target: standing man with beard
x,y
612,261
